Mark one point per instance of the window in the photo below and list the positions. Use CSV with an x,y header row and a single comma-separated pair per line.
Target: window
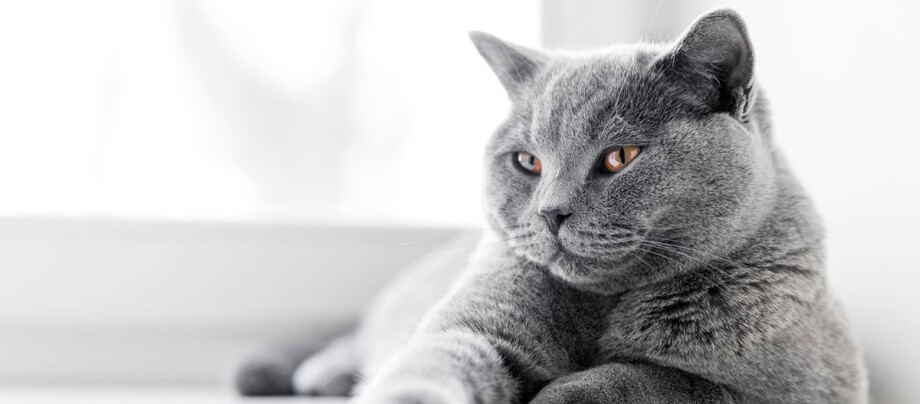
x,y
345,111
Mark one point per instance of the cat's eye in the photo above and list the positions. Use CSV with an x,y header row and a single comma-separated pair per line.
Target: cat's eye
x,y
528,162
619,157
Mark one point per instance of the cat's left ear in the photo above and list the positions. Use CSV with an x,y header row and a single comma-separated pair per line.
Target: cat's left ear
x,y
515,65
714,62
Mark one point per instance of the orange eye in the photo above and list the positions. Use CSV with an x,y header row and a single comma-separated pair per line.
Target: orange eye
x,y
528,162
620,157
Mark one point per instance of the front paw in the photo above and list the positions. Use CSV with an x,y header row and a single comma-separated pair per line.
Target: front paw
x,y
576,391
632,383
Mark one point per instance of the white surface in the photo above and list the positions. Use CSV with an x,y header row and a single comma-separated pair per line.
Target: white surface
x,y
139,395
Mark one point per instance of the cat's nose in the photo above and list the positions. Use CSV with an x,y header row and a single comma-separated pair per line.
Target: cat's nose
x,y
555,217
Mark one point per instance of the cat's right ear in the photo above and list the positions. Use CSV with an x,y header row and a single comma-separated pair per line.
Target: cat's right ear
x,y
713,63
515,65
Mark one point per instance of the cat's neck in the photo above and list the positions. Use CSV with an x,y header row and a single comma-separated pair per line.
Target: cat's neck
x,y
790,234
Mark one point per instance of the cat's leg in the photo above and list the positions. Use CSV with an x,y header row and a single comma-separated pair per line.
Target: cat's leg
x,y
633,383
331,372
452,367
488,342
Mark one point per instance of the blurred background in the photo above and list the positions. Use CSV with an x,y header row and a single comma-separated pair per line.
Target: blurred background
x,y
180,180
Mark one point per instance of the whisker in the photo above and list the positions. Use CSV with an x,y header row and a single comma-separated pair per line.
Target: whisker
x,y
670,243
726,272
522,235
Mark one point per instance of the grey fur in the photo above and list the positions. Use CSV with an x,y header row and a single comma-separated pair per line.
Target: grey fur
x,y
694,275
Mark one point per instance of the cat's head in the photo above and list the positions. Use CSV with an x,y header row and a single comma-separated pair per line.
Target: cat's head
x,y
627,164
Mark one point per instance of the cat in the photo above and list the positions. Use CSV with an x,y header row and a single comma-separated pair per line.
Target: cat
x,y
647,243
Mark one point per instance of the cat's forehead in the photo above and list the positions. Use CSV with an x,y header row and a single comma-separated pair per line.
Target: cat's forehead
x,y
597,97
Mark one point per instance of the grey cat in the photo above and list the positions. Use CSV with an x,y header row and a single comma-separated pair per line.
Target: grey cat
x,y
647,244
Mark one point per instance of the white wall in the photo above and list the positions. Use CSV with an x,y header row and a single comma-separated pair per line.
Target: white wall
x,y
233,110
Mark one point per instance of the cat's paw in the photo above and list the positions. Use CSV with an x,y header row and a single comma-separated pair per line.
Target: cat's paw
x,y
576,391
331,372
313,381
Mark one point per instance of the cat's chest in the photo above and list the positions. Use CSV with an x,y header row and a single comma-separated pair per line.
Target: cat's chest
x,y
681,320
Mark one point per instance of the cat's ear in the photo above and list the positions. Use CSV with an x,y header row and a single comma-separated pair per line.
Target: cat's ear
x,y
714,61
515,65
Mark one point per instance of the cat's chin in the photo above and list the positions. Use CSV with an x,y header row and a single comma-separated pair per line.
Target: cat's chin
x,y
604,279
603,272
588,274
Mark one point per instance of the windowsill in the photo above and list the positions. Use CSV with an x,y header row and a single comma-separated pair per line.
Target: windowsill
x,y
145,301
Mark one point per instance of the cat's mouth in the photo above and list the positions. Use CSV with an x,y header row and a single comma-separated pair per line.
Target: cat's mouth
x,y
602,265
584,263
588,273
576,249
603,246
566,251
